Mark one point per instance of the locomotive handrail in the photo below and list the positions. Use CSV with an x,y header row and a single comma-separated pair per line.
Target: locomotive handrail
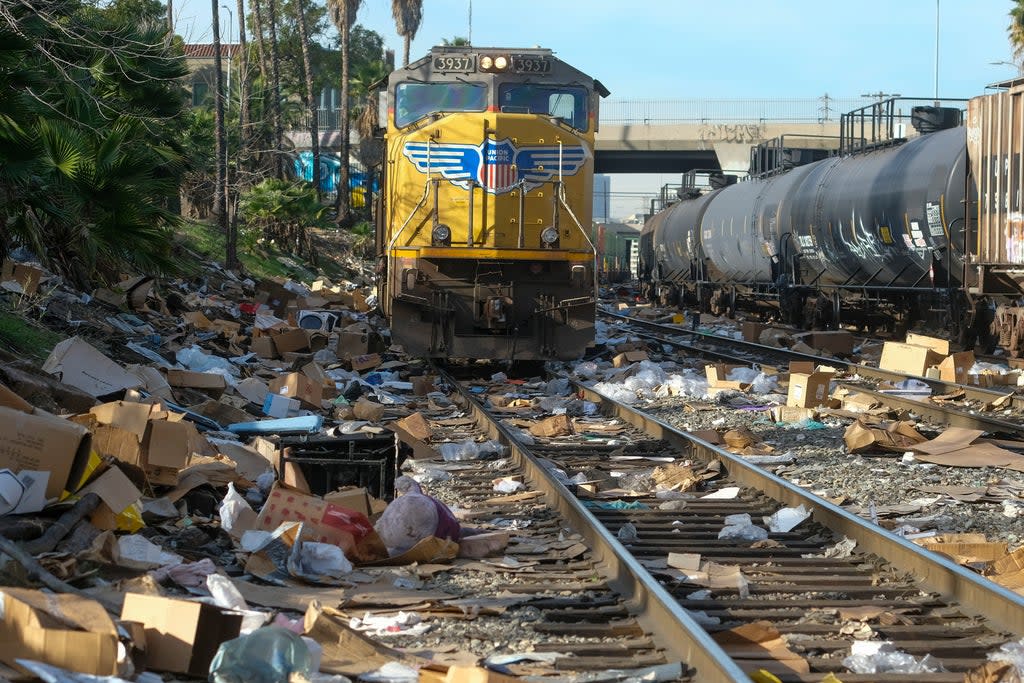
x,y
423,199
565,205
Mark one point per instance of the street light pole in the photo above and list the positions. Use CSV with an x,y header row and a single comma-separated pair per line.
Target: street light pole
x,y
936,53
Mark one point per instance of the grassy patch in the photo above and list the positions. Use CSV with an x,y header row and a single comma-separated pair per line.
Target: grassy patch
x,y
26,338
261,260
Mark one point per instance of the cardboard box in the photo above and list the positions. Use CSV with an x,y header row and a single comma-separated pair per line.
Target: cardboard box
x,y
808,390
264,347
27,276
328,386
298,386
717,374
956,366
801,366
290,341
752,331
908,358
422,385
207,382
279,406
370,360
354,340
629,357
327,522
940,346
44,443
79,364
181,636
556,425
351,499
168,448
834,341
67,631
793,415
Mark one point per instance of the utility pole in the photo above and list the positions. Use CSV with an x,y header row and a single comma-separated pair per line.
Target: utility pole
x,y
881,96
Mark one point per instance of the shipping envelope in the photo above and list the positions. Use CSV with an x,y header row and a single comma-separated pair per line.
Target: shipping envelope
x,y
79,364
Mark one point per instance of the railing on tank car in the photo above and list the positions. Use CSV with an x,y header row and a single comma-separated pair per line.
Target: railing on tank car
x,y
890,122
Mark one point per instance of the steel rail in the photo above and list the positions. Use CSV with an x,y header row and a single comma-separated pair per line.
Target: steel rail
x,y
656,610
977,596
973,393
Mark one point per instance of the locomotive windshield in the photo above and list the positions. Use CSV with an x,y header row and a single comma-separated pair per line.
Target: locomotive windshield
x,y
566,102
413,101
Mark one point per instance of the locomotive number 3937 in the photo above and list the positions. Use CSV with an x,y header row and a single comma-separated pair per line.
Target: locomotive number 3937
x,y
455,63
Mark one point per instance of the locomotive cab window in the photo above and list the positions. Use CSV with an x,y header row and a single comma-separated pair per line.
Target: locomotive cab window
x,y
568,103
413,101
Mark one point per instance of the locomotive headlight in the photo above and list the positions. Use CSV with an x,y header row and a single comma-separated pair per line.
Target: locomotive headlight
x,y
549,236
442,234
486,62
501,63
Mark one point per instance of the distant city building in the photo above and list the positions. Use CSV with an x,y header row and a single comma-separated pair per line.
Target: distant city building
x,y
602,197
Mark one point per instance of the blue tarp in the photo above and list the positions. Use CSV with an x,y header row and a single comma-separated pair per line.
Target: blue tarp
x,y
330,167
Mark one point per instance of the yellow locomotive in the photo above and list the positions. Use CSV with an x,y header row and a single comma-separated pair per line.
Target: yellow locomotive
x,y
482,231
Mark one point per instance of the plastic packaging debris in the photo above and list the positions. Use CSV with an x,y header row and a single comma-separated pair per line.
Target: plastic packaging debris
x,y
506,485
322,559
640,481
786,519
702,618
499,377
233,509
406,623
195,359
741,528
557,387
392,672
414,516
268,655
54,674
587,369
470,450
876,657
627,532
840,550
187,575
1010,653
227,596
147,555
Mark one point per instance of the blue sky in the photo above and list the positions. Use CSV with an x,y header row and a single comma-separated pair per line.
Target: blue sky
x,y
676,49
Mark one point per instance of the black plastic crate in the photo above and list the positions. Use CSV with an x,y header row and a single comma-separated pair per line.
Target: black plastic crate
x,y
331,462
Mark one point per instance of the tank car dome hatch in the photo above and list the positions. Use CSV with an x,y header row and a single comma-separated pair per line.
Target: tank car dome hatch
x,y
931,119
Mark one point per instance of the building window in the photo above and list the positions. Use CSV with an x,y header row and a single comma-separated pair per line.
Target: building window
x,y
200,92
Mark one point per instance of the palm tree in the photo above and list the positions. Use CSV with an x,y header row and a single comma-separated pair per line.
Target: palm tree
x,y
220,191
1016,29
343,14
408,15
275,90
311,104
457,41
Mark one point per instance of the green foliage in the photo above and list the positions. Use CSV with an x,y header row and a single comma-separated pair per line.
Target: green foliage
x,y
1016,29
25,338
282,211
90,152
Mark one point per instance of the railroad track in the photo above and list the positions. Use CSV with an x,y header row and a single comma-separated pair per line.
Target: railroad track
x,y
887,589
739,351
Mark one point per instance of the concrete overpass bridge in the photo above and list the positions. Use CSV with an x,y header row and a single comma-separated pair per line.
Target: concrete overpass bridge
x,y
670,136
675,136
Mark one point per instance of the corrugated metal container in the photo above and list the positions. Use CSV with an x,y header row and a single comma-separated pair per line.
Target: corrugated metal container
x,y
995,142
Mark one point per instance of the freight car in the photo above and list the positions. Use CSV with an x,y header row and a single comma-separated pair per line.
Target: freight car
x,y
885,232
482,234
